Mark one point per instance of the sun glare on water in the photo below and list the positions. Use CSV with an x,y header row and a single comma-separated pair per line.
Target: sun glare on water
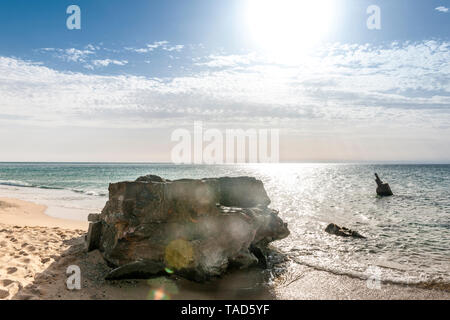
x,y
285,27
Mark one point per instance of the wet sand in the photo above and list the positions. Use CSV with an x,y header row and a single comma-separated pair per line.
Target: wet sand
x,y
36,250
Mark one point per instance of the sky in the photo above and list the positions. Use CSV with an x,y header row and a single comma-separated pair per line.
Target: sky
x,y
116,89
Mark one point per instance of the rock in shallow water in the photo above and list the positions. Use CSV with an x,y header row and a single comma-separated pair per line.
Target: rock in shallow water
x,y
195,228
383,189
343,232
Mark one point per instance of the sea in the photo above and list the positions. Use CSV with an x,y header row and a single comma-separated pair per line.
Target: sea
x,y
407,235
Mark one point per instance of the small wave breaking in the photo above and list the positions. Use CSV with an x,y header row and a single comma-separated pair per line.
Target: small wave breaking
x,y
22,184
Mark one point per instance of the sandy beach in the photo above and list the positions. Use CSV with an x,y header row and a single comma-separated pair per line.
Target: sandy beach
x,y
30,242
37,249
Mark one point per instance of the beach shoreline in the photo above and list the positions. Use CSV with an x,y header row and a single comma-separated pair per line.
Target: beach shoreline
x,y
36,250
24,213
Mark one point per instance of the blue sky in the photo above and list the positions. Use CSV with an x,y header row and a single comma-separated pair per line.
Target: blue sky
x,y
201,26
139,69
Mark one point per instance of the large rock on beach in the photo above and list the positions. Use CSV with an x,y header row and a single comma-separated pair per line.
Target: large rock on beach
x,y
194,228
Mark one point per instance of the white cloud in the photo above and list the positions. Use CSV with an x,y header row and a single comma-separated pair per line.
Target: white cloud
x,y
340,87
177,48
85,56
163,45
157,44
92,47
107,62
369,97
441,9
73,54
219,61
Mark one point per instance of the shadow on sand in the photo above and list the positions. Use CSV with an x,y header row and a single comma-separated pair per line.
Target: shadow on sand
x,y
51,283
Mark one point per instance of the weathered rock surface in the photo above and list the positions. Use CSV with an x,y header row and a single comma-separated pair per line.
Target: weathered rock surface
x,y
93,235
93,217
383,189
195,228
138,269
342,232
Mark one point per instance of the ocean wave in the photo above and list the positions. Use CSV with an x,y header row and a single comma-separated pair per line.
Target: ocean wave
x,y
439,284
22,184
15,183
90,192
47,187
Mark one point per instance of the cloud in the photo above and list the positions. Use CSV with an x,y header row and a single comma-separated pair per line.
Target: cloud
x,y
71,54
441,9
85,56
157,44
220,61
163,45
340,86
107,62
177,48
92,47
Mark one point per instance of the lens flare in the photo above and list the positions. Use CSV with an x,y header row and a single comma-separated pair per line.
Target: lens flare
x,y
168,270
161,289
158,294
179,254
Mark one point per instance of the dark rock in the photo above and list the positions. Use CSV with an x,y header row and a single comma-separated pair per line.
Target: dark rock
x,y
150,178
197,228
93,236
258,253
244,259
383,189
243,192
136,270
94,217
343,232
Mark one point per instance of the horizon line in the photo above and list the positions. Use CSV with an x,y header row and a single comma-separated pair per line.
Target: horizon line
x,y
444,162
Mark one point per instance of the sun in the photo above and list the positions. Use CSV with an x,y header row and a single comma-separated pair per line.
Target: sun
x,y
288,26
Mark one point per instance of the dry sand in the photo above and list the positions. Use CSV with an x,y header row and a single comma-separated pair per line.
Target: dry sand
x,y
35,251
30,242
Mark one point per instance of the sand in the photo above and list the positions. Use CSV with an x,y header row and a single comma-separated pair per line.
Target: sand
x,y
36,251
30,241
22,213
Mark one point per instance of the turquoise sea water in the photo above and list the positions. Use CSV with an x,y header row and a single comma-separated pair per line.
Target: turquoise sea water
x,y
408,235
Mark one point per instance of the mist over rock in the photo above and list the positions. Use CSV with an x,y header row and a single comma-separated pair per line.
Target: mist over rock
x,y
197,228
